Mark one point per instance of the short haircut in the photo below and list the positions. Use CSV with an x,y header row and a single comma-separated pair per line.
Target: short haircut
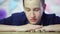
x,y
42,1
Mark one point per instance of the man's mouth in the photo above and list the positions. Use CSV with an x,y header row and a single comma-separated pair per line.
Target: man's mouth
x,y
33,20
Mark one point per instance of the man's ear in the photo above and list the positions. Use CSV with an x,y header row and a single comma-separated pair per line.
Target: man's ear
x,y
44,6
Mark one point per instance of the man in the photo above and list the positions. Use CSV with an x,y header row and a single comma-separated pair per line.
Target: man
x,y
33,18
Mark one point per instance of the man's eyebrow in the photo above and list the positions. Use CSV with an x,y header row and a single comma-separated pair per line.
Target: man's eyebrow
x,y
36,8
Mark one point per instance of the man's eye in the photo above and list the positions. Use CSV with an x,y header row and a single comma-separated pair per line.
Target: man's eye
x,y
36,9
27,9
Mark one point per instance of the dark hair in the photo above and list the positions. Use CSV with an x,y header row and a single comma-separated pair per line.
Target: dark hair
x,y
43,2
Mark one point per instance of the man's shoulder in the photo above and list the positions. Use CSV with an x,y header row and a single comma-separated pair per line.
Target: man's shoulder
x,y
16,14
52,19
19,18
50,15
15,19
20,15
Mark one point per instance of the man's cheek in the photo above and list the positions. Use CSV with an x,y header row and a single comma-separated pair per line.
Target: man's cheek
x,y
28,16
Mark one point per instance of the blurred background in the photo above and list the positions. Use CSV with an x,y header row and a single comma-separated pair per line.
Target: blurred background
x,y
8,7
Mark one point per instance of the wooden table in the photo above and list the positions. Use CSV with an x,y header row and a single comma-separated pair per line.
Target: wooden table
x,y
29,32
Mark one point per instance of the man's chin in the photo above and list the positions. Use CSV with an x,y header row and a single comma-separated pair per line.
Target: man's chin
x,y
34,23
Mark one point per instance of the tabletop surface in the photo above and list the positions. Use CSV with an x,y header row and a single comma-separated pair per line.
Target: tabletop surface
x,y
29,32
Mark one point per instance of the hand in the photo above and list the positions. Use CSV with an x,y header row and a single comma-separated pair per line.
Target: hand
x,y
28,27
51,28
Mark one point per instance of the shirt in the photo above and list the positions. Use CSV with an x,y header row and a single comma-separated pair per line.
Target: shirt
x,y
20,19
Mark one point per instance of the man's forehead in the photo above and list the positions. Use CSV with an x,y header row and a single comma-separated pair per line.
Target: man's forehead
x,y
35,2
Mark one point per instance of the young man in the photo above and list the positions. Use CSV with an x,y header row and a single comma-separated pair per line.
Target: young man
x,y
33,18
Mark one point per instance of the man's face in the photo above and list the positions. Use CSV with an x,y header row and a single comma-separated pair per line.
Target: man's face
x,y
33,10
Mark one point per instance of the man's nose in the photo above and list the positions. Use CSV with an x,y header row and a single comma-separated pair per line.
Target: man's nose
x,y
32,15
